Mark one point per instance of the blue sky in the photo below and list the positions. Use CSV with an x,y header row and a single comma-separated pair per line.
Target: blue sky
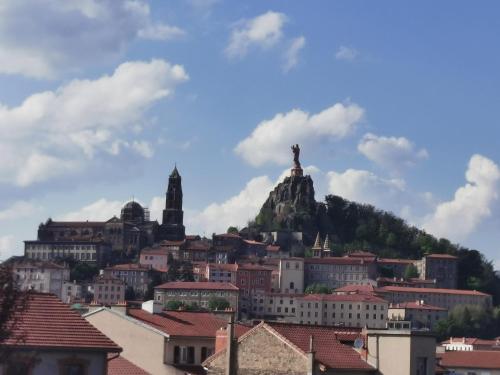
x,y
393,103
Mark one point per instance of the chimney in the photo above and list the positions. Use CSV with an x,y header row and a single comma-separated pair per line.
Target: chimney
x,y
310,357
230,346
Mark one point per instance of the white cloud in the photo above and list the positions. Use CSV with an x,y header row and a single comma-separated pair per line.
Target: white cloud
x,y
392,153
7,247
99,210
263,31
270,141
366,187
346,53
292,53
44,38
18,210
237,210
471,204
54,133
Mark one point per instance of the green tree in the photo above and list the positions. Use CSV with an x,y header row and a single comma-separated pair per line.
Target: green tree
x,y
174,305
83,271
218,303
232,230
411,272
318,289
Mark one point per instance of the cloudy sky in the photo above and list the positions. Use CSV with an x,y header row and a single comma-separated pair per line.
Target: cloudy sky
x,y
396,106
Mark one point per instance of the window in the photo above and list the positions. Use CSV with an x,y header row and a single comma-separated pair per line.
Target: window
x,y
73,366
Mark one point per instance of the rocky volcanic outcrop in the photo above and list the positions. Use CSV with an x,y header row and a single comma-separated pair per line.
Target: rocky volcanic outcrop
x,y
292,206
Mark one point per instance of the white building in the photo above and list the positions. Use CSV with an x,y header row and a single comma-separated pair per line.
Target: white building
x,y
71,292
41,276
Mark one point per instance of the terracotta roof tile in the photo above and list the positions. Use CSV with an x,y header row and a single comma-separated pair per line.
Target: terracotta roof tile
x,y
128,267
328,349
186,323
474,359
122,366
356,288
198,285
48,323
402,289
441,256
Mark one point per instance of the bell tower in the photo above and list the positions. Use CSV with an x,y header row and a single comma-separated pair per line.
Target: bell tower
x,y
172,227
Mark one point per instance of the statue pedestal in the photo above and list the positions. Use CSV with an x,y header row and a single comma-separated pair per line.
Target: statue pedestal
x,y
297,172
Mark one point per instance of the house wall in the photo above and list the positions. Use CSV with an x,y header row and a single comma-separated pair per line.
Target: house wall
x,y
47,362
196,343
264,354
141,345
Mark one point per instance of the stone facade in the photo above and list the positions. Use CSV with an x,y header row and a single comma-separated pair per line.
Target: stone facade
x,y
263,354
441,267
172,227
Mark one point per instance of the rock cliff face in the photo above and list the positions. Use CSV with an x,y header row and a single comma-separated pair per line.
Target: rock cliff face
x,y
291,206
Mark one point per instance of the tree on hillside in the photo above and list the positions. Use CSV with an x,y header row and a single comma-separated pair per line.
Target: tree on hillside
x,y
411,272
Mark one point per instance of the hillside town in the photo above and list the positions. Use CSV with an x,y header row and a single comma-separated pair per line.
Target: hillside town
x,y
133,296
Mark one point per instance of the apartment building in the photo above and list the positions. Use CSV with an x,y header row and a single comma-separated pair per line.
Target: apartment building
x,y
41,276
352,310
336,272
440,267
135,276
199,293
420,314
87,251
108,290
445,298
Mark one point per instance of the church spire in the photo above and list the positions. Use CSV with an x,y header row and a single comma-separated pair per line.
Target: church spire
x,y
326,245
317,248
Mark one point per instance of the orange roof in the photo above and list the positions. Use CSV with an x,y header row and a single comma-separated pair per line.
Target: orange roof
x,y
273,248
469,341
338,260
403,289
155,251
198,285
47,323
395,261
251,242
470,359
253,267
223,266
186,323
129,267
329,351
121,366
343,297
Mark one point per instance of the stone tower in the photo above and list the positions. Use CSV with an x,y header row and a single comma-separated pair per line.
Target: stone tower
x,y
172,227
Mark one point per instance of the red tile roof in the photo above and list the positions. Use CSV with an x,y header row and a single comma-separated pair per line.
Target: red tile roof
x,y
186,323
415,306
121,366
328,349
253,267
155,251
470,341
338,260
395,261
403,289
251,242
223,266
198,285
129,267
47,323
476,359
361,297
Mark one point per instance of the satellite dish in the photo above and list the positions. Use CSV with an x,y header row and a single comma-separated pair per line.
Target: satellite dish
x,y
359,343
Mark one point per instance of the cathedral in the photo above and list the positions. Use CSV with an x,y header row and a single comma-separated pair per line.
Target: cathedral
x,y
130,232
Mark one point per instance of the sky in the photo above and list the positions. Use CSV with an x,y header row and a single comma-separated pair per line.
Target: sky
x,y
393,104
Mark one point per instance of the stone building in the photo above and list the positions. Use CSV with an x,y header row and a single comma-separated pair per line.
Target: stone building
x,y
97,252
280,348
441,267
336,272
172,227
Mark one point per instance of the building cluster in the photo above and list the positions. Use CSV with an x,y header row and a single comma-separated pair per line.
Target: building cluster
x,y
251,307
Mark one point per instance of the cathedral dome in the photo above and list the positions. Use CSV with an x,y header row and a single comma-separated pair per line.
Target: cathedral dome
x,y
132,211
